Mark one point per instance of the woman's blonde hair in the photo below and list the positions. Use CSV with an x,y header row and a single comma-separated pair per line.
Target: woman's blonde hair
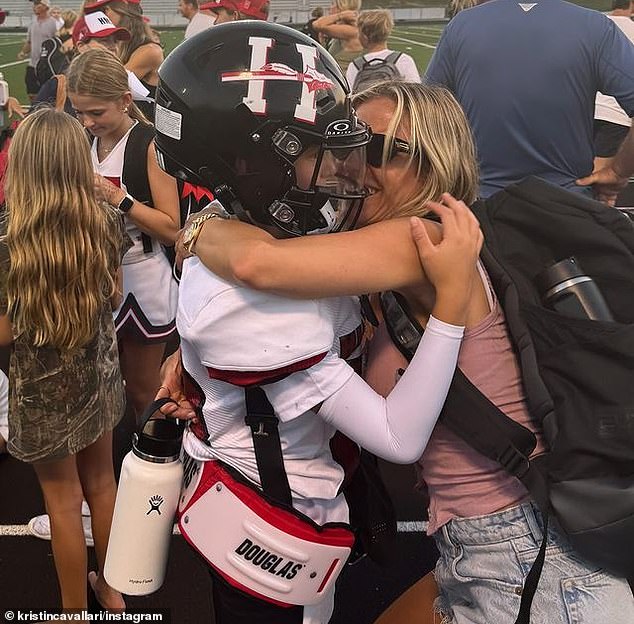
x,y
442,150
98,73
375,25
132,20
348,5
63,245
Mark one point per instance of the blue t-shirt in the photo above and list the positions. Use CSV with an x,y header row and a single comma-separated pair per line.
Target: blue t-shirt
x,y
526,75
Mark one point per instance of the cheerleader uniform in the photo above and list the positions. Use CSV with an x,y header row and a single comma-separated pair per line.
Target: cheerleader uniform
x,y
148,310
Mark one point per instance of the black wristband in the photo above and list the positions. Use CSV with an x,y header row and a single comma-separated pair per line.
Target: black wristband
x,y
125,204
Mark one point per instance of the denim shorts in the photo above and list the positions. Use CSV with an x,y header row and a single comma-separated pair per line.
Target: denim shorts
x,y
485,559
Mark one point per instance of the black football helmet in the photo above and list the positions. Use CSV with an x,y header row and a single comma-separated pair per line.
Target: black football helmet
x,y
259,114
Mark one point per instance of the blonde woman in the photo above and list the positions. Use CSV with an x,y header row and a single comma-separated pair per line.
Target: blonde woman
x,y
142,54
60,255
340,26
483,520
375,27
129,178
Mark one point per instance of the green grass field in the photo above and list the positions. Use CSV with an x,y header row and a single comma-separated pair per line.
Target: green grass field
x,y
418,41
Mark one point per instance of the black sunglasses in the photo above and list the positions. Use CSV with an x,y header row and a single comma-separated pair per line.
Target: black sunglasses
x,y
374,149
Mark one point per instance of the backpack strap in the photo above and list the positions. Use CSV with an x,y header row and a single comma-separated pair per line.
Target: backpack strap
x,y
359,62
263,423
135,175
393,57
60,93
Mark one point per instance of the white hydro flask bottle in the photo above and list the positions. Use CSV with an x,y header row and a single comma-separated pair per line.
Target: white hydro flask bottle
x,y
147,498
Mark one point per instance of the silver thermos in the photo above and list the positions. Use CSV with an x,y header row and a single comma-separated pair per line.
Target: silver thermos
x,y
565,288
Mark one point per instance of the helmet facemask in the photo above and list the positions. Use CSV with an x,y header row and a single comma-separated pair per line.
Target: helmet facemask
x,y
326,187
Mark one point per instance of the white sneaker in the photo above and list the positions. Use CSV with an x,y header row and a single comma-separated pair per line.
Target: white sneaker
x,y
40,526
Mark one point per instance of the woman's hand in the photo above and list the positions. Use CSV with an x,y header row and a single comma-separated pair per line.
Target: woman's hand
x,y
107,191
348,17
450,264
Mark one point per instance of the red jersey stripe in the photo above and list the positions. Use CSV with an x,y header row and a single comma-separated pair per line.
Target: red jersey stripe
x,y
258,378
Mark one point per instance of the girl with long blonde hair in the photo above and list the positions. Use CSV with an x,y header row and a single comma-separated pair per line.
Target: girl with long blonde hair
x,y
60,254
129,178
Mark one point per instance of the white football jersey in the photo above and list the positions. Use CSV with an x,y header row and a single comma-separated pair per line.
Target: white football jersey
x,y
232,337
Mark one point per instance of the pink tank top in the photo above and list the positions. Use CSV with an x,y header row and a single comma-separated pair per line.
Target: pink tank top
x,y
461,482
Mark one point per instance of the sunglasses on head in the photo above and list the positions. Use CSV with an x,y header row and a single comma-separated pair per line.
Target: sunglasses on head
x,y
374,149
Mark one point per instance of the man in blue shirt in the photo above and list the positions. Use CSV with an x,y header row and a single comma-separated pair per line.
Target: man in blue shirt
x,y
526,75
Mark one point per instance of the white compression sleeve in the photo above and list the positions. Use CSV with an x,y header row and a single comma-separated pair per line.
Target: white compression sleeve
x,y
397,428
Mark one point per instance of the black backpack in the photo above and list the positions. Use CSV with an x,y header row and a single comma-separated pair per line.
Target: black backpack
x,y
578,374
52,60
375,70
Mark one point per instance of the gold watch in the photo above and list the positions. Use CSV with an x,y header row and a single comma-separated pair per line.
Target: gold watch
x,y
191,234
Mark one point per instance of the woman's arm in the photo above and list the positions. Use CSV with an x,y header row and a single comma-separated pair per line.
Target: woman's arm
x,y
398,427
117,295
378,257
338,26
374,258
6,335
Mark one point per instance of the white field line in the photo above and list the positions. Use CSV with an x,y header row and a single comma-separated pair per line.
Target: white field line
x,y
21,530
14,63
418,43
426,29
8,43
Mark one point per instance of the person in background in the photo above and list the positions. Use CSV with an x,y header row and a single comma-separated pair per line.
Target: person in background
x,y
56,53
197,21
90,31
340,26
611,123
374,29
41,28
528,87
56,14
455,6
233,10
65,391
141,54
308,29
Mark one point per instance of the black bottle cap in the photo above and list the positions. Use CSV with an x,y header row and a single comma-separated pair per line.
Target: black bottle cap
x,y
559,272
160,438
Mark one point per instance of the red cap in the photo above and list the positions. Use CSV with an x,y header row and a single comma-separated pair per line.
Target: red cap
x,y
255,9
96,26
96,4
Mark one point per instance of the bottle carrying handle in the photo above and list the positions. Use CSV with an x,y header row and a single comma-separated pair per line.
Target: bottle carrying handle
x,y
151,409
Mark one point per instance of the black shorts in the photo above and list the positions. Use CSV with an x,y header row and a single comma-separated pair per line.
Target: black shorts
x,y
31,81
608,137
232,606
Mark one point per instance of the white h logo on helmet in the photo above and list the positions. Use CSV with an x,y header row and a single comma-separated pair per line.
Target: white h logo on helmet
x,y
260,71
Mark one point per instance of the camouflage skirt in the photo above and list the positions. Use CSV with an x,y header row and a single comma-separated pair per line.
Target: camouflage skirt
x,y
61,402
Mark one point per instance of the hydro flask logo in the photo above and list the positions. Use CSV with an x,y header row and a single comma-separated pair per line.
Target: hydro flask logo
x,y
155,503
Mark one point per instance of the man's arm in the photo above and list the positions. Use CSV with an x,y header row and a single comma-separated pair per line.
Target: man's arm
x,y
608,181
